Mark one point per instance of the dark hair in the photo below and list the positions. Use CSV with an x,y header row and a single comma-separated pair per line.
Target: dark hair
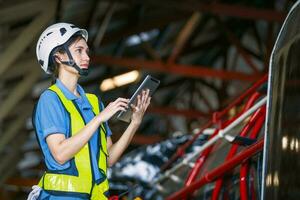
x,y
53,65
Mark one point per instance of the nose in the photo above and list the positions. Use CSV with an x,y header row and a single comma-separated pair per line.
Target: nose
x,y
86,57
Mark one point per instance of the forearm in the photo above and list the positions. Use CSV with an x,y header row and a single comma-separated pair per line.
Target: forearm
x,y
116,150
67,148
63,149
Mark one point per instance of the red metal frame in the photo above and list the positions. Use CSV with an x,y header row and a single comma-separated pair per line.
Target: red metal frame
x,y
179,69
204,155
219,171
254,125
216,119
202,158
199,163
244,171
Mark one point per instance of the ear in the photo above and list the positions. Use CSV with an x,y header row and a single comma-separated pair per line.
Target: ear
x,y
57,59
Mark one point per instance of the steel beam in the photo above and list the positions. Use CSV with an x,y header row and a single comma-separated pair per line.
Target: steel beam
x,y
20,11
241,11
103,27
178,69
155,23
204,98
184,35
149,50
18,93
17,47
20,68
217,8
239,47
13,130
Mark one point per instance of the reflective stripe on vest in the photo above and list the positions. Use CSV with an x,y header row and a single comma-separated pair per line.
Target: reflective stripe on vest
x,y
83,184
103,150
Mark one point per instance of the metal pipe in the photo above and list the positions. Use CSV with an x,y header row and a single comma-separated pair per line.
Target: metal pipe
x,y
255,123
221,134
242,117
219,171
216,117
245,166
198,164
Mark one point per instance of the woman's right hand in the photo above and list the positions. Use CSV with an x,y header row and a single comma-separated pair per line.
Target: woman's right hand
x,y
121,104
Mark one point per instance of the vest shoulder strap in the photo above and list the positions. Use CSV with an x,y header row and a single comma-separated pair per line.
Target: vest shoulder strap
x,y
93,99
67,103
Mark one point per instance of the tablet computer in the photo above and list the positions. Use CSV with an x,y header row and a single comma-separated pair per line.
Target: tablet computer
x,y
150,83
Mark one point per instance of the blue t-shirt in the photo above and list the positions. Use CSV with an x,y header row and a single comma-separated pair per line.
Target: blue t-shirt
x,y
51,117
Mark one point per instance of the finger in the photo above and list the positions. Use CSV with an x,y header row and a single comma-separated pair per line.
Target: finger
x,y
144,97
147,93
121,109
134,108
121,100
138,104
121,104
147,103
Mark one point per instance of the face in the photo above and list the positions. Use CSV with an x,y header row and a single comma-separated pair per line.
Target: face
x,y
79,50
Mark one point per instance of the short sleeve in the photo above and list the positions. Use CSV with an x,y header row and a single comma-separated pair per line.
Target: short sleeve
x,y
50,117
106,126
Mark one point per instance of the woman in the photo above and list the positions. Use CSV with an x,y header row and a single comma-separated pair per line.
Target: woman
x,y
71,125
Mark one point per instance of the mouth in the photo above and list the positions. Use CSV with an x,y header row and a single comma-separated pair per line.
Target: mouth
x,y
84,66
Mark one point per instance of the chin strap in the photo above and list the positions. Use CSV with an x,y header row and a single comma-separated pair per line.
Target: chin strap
x,y
71,63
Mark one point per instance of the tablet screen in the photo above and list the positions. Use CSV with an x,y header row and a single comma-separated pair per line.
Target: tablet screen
x,y
150,83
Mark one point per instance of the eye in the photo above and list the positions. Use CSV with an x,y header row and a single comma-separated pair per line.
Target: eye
x,y
79,50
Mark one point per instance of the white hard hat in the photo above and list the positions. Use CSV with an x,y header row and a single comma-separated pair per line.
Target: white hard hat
x,y
54,36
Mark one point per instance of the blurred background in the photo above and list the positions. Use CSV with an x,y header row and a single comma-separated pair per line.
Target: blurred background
x,y
205,53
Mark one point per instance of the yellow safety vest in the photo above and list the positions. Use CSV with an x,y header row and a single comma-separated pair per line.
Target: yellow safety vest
x,y
81,184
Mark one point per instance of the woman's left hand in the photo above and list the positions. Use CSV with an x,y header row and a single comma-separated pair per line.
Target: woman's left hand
x,y
141,106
